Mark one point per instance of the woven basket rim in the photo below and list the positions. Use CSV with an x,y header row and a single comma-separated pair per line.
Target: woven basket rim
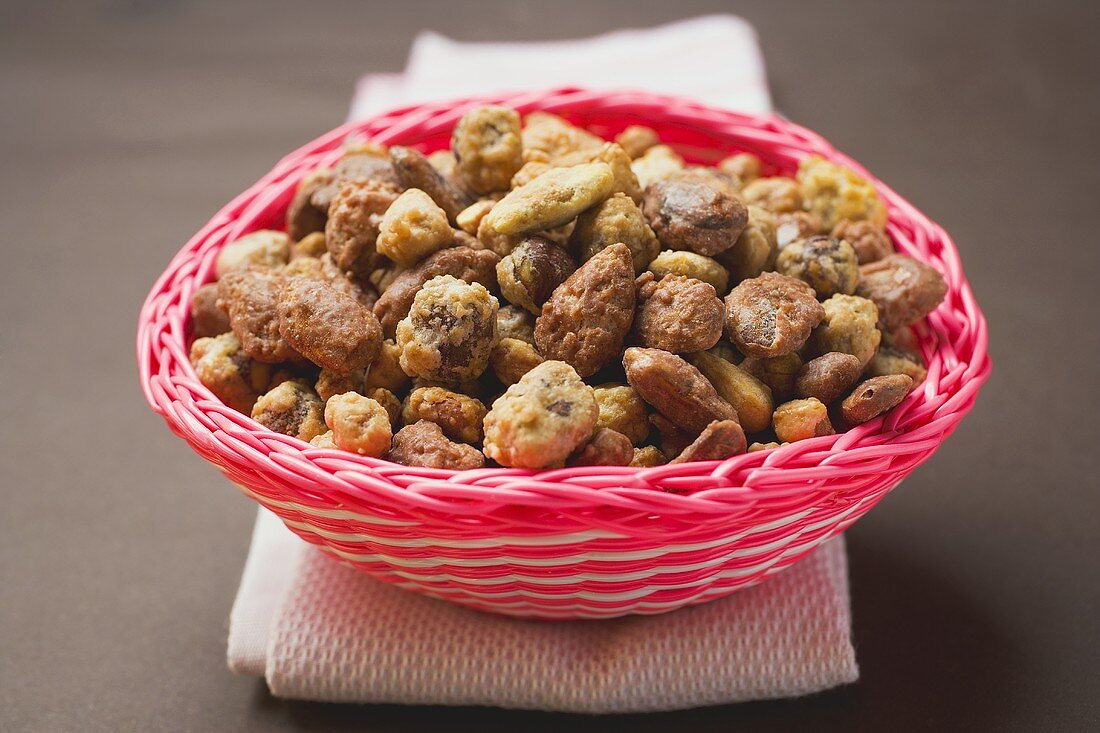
x,y
799,472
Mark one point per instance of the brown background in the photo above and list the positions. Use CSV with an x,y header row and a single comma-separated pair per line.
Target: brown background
x,y
975,586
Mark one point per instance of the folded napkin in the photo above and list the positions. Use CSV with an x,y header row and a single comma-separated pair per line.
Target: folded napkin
x,y
317,630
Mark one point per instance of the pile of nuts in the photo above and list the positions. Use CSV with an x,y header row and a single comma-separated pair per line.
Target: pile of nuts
x,y
538,297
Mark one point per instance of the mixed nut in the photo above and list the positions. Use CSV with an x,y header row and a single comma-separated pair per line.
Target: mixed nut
x,y
537,297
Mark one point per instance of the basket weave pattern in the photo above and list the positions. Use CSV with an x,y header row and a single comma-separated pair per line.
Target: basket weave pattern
x,y
586,542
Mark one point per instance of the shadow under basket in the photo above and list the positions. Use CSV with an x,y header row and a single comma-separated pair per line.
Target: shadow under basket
x,y
592,542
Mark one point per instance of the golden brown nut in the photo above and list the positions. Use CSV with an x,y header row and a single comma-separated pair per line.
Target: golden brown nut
x,y
328,327
512,358
385,370
763,446
414,170
487,144
586,319
615,220
874,397
449,332
390,402
251,299
622,410
636,139
514,322
308,212
207,319
423,444
778,372
226,370
469,219
903,289
333,383
828,376
656,164
771,315
365,159
678,314
462,263
540,420
689,264
834,192
647,457
353,219
623,179
311,246
413,228
695,215
552,199
349,283
720,440
870,243
827,265
358,424
849,327
892,360
778,194
292,409
552,135
751,398
534,269
606,448
675,388
745,167
324,440
755,250
801,419
459,415
795,225
264,248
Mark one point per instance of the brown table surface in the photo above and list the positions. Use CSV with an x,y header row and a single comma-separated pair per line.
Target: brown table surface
x,y
975,586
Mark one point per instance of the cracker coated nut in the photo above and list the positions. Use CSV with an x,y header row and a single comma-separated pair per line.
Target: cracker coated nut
x,y
385,370
413,228
744,167
207,319
795,225
828,376
292,409
460,416
778,372
755,250
691,214
324,440
779,195
647,457
834,192
612,221
828,265
389,401
251,299
893,360
424,444
449,331
606,448
720,440
771,315
487,144
849,327
265,248
874,397
904,289
353,219
358,424
327,326
622,410
690,264
514,322
333,383
678,314
469,219
540,420
675,388
226,370
552,199
636,139
512,358
801,419
533,270
751,398
308,212
553,136
763,446
658,163
870,243
414,170
623,179
586,319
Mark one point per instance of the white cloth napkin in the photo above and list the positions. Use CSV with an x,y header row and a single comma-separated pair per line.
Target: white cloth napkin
x,y
317,630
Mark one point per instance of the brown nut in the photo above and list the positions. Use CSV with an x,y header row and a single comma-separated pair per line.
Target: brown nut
x,y
874,397
460,416
751,398
622,410
226,370
678,314
552,199
771,315
514,322
308,212
672,439
720,440
637,139
207,319
534,269
553,136
351,284
689,264
512,358
606,448
778,194
311,246
353,219
827,377
613,221
870,243
795,225
541,419
291,409
675,388
755,250
849,327
487,144
709,176
744,167
647,457
264,248
694,215
367,160
414,170
801,419
462,263
358,424
828,265
449,332
834,192
334,383
586,319
413,228
904,289
385,370
327,326
389,401
423,444
251,299
778,373
658,163
892,360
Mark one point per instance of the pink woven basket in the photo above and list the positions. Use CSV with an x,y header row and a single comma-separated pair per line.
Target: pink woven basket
x,y
588,542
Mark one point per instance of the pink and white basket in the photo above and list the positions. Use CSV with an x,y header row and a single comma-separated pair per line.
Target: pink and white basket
x,y
591,542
